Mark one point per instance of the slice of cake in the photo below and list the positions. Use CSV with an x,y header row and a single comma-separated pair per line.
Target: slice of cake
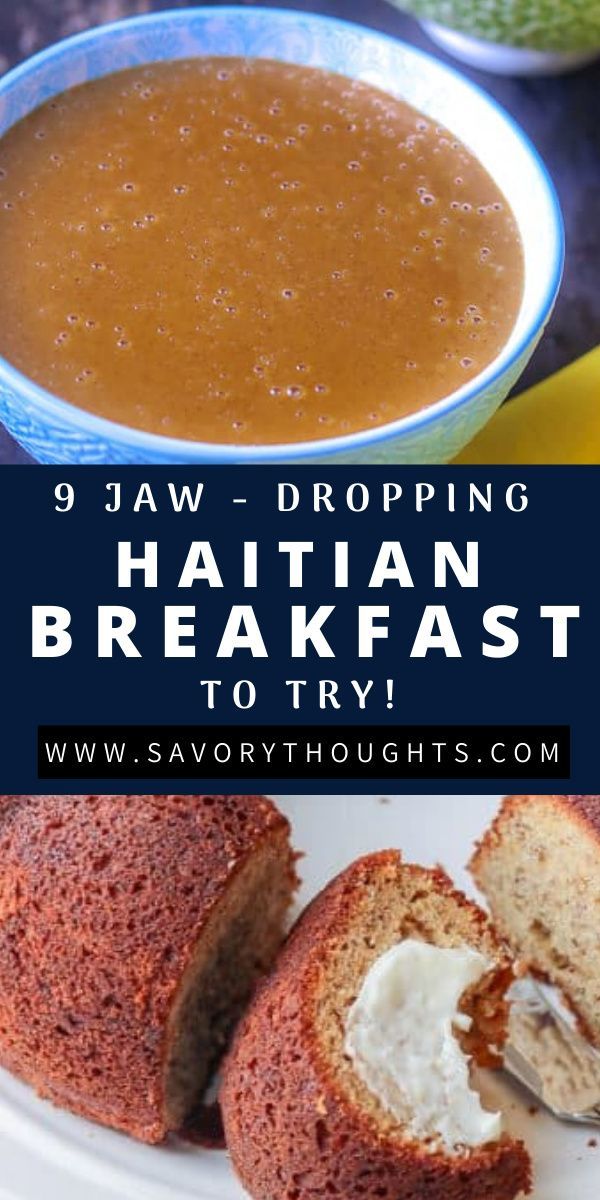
x,y
132,930
349,1075
539,867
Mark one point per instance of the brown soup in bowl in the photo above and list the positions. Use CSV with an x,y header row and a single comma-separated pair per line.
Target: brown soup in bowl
x,y
245,251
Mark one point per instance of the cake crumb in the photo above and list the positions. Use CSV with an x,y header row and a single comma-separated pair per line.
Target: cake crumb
x,y
592,1143
533,1110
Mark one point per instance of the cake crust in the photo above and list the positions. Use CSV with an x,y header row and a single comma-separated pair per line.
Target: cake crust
x,y
103,901
291,1128
583,809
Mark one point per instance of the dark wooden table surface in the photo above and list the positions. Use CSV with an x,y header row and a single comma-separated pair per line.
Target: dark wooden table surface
x,y
561,115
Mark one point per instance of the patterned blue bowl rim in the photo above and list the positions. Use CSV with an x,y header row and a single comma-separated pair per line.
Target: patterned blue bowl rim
x,y
207,452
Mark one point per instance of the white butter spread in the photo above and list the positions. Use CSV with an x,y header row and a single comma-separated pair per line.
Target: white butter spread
x,y
400,1038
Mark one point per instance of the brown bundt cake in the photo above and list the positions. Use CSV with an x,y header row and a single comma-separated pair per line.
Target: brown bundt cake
x,y
539,867
300,1120
132,929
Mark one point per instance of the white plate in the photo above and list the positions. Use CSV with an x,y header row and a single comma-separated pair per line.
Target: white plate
x,y
48,1153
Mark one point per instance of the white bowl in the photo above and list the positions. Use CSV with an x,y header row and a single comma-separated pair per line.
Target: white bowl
x,y
506,60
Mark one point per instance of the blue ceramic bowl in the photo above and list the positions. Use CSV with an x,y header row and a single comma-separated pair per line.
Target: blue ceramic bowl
x,y
55,431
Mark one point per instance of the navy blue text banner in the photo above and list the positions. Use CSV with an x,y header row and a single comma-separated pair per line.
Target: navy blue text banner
x,y
282,628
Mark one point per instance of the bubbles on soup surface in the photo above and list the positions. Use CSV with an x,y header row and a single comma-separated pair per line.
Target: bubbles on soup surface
x,y
268,251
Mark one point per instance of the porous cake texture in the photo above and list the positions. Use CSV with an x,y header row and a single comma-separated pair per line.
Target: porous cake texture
x,y
132,930
299,1121
538,866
